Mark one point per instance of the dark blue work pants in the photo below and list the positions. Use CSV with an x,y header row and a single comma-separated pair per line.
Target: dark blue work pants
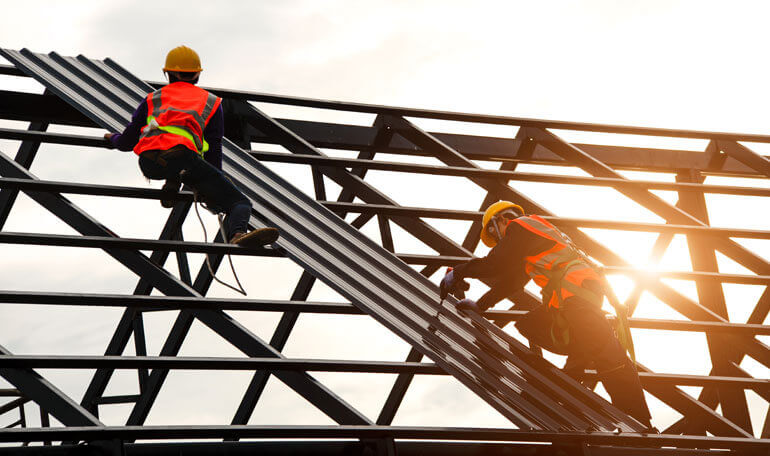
x,y
592,343
211,185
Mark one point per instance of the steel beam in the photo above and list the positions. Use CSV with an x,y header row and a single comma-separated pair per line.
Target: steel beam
x,y
336,448
24,157
90,189
278,342
742,381
480,118
150,303
711,295
115,243
745,155
504,174
631,440
34,387
181,261
10,406
269,364
140,348
456,116
40,108
375,209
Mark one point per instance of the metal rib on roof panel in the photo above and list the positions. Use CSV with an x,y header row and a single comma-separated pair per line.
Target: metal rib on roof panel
x,y
523,387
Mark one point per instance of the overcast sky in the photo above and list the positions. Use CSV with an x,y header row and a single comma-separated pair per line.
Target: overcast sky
x,y
689,64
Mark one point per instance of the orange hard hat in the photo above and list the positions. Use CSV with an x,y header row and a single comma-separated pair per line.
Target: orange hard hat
x,y
183,59
494,209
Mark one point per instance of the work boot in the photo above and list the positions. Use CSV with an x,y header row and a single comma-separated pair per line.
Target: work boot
x,y
172,188
256,238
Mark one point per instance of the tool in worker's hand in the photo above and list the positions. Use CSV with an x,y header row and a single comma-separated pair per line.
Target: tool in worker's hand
x,y
445,285
449,285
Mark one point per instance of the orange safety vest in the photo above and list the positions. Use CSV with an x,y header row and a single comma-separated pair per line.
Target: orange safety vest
x,y
177,114
559,271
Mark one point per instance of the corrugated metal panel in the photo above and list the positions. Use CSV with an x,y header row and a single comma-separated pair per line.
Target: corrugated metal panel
x,y
500,370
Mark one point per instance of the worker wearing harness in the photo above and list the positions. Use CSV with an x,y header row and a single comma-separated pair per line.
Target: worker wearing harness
x,y
177,133
570,320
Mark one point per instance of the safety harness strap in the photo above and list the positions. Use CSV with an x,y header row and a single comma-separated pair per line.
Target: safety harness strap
x,y
571,256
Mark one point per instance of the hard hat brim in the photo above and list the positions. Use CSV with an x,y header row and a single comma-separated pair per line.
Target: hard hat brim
x,y
177,70
487,239
491,211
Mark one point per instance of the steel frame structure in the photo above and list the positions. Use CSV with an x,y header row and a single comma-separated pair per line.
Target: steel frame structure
x,y
546,405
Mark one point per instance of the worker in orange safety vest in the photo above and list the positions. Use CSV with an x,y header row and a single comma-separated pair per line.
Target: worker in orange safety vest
x,y
177,133
570,320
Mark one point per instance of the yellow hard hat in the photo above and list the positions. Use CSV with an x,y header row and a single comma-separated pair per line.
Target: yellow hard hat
x,y
494,209
183,59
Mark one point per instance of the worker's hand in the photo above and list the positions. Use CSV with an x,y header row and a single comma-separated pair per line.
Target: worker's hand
x,y
468,305
446,284
452,284
107,137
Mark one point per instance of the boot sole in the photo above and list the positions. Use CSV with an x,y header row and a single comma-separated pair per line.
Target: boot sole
x,y
259,237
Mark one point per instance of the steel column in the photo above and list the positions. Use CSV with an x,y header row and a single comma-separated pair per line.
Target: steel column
x,y
711,295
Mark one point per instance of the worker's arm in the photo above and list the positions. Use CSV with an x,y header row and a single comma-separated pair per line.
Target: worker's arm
x,y
499,292
213,133
507,254
127,140
496,293
504,265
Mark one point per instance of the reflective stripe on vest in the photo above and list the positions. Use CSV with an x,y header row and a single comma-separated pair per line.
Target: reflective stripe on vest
x,y
180,121
559,271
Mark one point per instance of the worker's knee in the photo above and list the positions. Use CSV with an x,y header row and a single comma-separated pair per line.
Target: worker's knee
x,y
241,208
243,205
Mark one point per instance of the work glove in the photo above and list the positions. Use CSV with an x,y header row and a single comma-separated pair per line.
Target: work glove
x,y
468,305
451,284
